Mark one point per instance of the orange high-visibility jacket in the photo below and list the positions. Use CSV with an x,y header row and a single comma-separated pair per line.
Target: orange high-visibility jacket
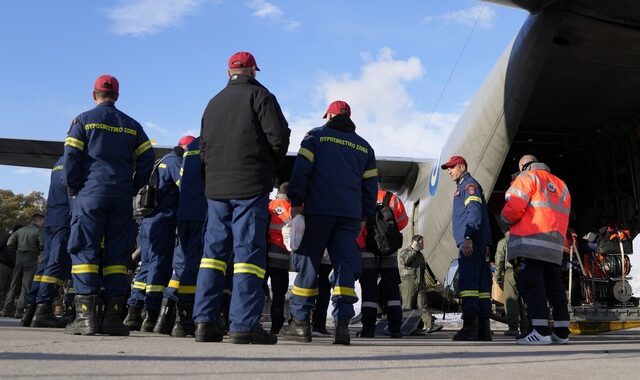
x,y
398,211
279,215
537,209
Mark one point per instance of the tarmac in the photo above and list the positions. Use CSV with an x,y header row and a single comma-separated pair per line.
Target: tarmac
x,y
30,353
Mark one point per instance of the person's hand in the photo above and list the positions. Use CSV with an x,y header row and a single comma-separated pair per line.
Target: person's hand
x,y
467,247
296,211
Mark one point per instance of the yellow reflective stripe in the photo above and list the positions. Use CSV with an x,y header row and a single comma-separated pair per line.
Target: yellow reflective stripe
x,y
139,285
50,280
175,284
469,293
187,289
71,290
213,264
191,152
472,198
162,166
85,268
342,291
370,173
306,153
114,269
248,268
143,147
37,278
155,288
59,167
304,292
181,172
178,183
482,295
75,143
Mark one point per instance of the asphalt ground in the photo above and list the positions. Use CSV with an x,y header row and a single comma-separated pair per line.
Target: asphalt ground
x,y
30,353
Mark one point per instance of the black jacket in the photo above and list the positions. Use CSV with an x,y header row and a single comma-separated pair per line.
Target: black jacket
x,y
244,139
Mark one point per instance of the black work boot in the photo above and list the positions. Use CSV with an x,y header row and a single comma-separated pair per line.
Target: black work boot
x,y
341,335
184,321
209,332
299,331
44,317
368,331
257,336
27,315
484,330
134,318
69,312
111,322
469,330
85,322
166,318
150,319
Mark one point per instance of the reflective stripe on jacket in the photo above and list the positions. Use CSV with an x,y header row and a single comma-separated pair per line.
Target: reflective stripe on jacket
x,y
537,208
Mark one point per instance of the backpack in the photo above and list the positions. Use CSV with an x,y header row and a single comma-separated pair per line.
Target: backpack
x,y
383,236
145,200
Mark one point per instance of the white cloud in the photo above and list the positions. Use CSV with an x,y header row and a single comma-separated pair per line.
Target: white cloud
x,y
382,108
32,172
164,136
468,16
267,10
144,17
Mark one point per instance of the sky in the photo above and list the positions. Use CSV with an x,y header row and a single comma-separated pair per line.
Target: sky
x,y
408,68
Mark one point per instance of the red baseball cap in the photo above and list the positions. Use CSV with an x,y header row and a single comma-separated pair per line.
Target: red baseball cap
x,y
453,161
242,59
338,107
186,140
107,82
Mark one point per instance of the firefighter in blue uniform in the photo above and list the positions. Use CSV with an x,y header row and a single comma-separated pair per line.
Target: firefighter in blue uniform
x,y
56,232
192,209
472,233
107,159
335,177
157,233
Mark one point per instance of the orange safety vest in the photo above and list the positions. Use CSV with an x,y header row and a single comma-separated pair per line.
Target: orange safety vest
x,y
279,215
398,211
537,208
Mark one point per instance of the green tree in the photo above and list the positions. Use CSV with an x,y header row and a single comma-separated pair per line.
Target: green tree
x,y
18,208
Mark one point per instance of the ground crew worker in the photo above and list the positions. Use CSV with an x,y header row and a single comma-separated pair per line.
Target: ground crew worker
x,y
537,208
244,140
413,274
27,242
7,262
57,262
385,268
101,179
192,210
278,257
335,176
505,278
157,234
472,234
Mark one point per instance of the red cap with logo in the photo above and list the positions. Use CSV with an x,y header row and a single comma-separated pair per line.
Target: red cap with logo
x,y
106,83
453,161
186,140
338,107
242,59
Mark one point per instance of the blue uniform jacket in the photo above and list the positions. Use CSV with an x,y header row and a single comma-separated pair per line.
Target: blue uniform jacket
x,y
106,154
168,177
57,200
470,215
335,172
193,203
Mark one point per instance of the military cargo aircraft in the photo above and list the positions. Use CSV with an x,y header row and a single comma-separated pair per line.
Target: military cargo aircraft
x,y
567,89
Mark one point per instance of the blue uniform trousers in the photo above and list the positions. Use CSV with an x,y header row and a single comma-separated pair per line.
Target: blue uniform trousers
x,y
92,220
319,317
186,258
138,291
390,284
537,282
32,294
237,226
158,230
338,236
279,287
58,264
475,282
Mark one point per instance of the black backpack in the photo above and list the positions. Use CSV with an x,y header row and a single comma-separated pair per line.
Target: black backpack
x,y
144,202
383,236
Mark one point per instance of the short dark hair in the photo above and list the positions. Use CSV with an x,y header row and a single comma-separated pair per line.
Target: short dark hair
x,y
107,94
36,216
416,238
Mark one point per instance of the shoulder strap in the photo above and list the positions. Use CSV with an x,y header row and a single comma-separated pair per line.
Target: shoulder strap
x,y
387,198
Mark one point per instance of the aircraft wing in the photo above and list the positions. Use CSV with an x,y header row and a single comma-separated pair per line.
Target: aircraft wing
x,y
395,173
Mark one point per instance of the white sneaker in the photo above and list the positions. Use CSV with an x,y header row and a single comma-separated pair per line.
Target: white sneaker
x,y
557,340
534,338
